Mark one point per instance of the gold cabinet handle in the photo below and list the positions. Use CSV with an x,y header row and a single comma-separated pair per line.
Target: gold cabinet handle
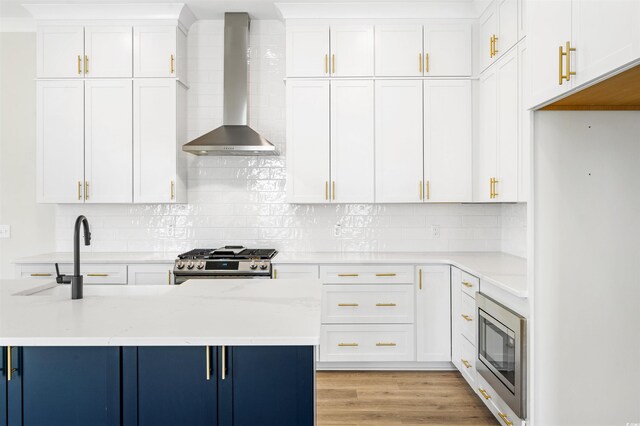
x,y
97,275
467,317
333,64
348,275
333,190
173,190
207,357
386,304
467,284
386,275
567,59
326,63
491,47
466,363
172,64
420,275
169,277
420,186
40,275
348,304
79,190
275,274
560,73
347,344
86,190
386,344
86,64
505,419
419,62
10,368
428,190
484,393
79,65
426,62
326,190
224,363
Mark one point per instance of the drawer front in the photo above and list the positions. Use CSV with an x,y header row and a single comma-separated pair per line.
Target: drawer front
x,y
150,274
496,405
94,273
284,272
367,343
348,304
367,274
467,360
469,284
46,271
467,319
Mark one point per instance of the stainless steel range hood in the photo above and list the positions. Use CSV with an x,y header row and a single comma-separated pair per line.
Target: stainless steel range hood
x,y
234,137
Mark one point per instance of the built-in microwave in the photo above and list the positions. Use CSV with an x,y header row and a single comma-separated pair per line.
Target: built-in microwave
x,y
502,348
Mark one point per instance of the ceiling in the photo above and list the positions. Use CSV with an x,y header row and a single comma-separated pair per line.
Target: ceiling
x,y
202,9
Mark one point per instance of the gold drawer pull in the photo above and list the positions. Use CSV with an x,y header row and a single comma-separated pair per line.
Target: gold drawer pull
x,y
207,355
466,363
467,317
386,344
347,275
467,284
348,304
347,344
172,68
10,368
40,275
505,419
97,275
386,275
386,304
484,393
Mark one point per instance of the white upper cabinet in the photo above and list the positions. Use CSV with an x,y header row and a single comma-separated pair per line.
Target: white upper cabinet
x,y
157,139
351,50
398,153
60,141
108,51
352,141
499,25
108,141
308,141
60,51
447,50
307,51
447,140
433,318
398,50
487,137
154,51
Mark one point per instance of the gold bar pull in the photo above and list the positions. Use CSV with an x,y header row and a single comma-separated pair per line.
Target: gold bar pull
x,y
420,275
207,355
326,64
79,65
333,64
560,74
40,275
169,277
86,190
466,363
97,275
420,190
173,190
467,284
79,189
86,64
275,274
347,344
172,64
428,190
333,190
347,275
426,62
326,190
491,47
224,362
386,275
484,393
419,62
505,419
491,188
386,304
348,304
385,344
467,317
10,370
567,58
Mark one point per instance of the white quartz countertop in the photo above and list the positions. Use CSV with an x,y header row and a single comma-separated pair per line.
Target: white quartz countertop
x,y
199,312
504,271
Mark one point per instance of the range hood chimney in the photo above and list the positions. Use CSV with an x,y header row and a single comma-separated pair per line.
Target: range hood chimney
x,y
234,137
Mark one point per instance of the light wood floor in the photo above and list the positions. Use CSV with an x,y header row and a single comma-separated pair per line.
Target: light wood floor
x,y
398,398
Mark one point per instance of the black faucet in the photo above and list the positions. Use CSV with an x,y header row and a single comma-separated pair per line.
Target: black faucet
x,y
76,279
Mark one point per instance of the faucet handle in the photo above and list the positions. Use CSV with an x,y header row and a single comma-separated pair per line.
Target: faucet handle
x,y
61,279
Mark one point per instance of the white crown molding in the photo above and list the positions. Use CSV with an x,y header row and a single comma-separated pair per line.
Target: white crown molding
x,y
446,9
17,25
93,12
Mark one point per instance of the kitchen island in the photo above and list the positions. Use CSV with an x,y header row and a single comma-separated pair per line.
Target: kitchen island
x,y
222,352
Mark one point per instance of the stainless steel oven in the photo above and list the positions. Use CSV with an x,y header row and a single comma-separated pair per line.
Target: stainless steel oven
x,y
502,348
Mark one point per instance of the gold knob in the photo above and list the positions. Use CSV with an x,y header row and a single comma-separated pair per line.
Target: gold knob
x,y
467,317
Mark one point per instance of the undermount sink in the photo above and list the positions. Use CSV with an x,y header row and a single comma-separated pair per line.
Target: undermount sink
x,y
97,290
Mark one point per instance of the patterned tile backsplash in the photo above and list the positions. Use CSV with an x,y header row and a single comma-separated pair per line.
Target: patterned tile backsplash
x,y
241,200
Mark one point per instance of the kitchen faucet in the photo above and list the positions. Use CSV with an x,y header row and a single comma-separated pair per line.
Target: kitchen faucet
x,y
76,279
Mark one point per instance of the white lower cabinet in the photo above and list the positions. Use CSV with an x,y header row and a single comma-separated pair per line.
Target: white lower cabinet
x,y
367,342
94,273
467,360
495,404
295,271
356,303
463,340
433,322
150,274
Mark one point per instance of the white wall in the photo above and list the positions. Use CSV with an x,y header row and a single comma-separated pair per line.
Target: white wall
x,y
587,258
32,225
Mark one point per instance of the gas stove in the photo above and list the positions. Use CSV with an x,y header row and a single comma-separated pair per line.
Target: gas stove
x,y
223,262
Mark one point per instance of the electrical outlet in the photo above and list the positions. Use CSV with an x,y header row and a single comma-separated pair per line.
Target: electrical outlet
x,y
435,231
5,231
337,230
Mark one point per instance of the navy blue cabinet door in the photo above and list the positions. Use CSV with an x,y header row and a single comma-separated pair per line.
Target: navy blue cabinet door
x,y
3,386
174,386
65,386
267,385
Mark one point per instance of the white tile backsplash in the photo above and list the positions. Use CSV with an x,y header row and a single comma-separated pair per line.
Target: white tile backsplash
x,y
241,200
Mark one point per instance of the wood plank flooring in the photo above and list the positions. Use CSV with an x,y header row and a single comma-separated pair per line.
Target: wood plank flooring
x,y
394,398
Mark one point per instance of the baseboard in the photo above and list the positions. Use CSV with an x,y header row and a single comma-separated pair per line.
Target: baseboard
x,y
385,366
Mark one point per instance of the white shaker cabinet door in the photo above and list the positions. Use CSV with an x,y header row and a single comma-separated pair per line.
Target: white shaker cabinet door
x,y
398,50
507,35
433,316
447,50
154,51
154,140
150,274
60,51
447,140
352,50
352,141
108,51
506,186
606,36
488,136
308,51
108,141
398,152
308,141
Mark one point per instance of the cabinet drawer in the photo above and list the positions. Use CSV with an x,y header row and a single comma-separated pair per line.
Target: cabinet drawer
x,y
496,405
367,343
467,360
469,284
94,273
467,319
46,271
150,274
367,304
284,272
374,274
